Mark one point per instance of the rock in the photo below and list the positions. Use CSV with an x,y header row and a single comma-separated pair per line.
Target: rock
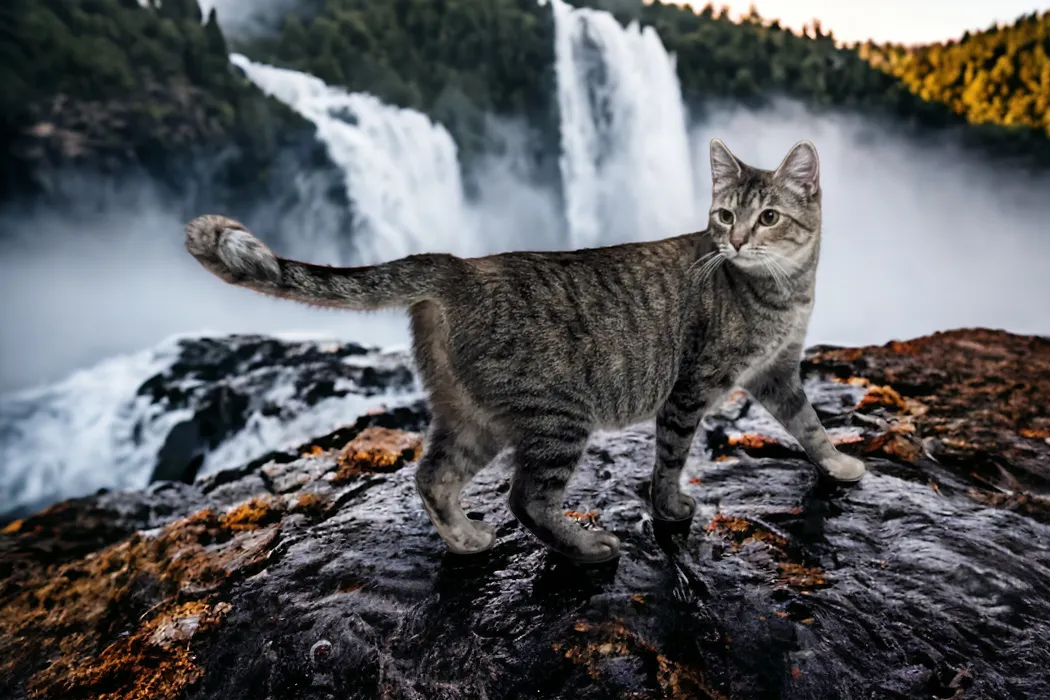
x,y
185,409
229,384
314,573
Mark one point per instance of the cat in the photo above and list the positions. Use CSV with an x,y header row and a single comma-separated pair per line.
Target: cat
x,y
536,350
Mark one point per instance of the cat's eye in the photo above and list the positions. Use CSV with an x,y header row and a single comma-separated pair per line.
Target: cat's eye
x,y
769,217
725,216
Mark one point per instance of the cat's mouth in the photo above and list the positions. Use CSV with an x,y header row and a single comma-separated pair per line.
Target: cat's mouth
x,y
744,257
754,259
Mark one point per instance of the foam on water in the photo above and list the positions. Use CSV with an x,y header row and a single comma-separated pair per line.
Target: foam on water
x,y
84,433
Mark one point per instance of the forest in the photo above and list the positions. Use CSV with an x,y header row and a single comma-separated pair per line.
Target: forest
x,y
113,79
998,76
108,82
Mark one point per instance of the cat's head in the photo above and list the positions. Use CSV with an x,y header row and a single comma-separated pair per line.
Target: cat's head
x,y
766,218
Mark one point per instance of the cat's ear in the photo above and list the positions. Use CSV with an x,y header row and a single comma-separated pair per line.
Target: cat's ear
x,y
724,165
801,169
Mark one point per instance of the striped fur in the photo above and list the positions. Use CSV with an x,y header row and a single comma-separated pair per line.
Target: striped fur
x,y
534,351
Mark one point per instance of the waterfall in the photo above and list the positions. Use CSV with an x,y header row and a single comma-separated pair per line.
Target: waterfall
x,y
626,159
401,170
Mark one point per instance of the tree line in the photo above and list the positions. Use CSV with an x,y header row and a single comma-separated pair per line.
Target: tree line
x,y
998,76
112,81
456,59
153,77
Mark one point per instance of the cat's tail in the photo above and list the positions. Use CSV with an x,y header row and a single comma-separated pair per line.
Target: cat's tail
x,y
228,250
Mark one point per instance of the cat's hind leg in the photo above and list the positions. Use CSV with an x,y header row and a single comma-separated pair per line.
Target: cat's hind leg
x,y
456,447
544,462
451,458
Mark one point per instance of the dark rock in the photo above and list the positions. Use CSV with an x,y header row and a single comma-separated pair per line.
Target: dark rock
x,y
224,382
314,573
980,398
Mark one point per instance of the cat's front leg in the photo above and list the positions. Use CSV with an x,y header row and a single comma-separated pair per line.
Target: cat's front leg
x,y
676,425
779,389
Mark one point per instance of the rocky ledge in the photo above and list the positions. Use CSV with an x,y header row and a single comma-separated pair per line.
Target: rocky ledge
x,y
314,573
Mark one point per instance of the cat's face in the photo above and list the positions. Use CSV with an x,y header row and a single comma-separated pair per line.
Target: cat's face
x,y
763,219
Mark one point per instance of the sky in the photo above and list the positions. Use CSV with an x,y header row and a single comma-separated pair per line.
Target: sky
x,y
901,21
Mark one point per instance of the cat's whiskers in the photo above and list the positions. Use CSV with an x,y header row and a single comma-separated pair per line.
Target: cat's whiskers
x,y
703,259
768,264
710,266
789,267
769,260
788,280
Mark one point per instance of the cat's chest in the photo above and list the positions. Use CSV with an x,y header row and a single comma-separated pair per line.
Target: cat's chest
x,y
754,346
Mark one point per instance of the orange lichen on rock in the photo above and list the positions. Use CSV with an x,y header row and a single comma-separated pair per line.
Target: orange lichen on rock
x,y
741,531
898,442
166,586
888,397
754,444
314,451
1035,507
310,503
754,441
975,391
590,516
590,645
253,514
157,656
800,577
882,396
377,449
728,523
845,438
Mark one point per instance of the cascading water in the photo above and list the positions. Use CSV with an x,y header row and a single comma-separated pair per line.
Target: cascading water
x,y
626,159
401,170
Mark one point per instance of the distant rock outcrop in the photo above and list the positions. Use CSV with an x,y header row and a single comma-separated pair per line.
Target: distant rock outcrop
x,y
314,573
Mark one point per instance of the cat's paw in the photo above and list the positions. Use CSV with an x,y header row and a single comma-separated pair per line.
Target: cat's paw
x,y
843,468
228,250
594,547
472,538
674,508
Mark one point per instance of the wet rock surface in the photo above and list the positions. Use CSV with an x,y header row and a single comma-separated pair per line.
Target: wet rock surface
x,y
229,383
314,573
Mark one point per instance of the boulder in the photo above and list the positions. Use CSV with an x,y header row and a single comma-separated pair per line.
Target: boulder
x,y
314,572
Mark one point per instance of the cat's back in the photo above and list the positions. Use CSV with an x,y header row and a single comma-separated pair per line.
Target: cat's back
x,y
587,273
602,323
619,253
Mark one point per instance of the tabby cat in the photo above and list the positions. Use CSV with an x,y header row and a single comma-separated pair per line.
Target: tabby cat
x,y
535,350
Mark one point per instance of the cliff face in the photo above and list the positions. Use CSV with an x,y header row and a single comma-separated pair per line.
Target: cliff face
x,y
118,85
314,573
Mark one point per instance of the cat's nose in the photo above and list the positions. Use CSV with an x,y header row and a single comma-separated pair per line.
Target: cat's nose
x,y
737,243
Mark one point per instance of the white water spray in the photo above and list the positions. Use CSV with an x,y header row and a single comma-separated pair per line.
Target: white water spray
x,y
626,159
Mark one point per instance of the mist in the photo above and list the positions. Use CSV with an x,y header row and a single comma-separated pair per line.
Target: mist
x,y
75,290
917,238
243,18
